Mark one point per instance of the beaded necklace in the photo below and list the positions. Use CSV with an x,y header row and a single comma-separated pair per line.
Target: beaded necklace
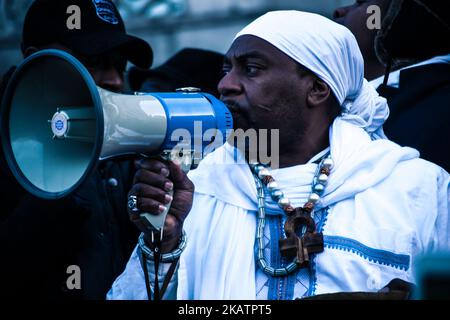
x,y
293,246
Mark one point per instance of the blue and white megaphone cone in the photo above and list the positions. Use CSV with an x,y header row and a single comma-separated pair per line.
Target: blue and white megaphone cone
x,y
56,124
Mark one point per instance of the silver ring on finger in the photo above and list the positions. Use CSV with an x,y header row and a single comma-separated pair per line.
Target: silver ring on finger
x,y
132,204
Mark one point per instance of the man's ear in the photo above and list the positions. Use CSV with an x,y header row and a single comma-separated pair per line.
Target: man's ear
x,y
319,92
29,51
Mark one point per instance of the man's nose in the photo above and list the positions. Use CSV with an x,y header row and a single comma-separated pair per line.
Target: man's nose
x,y
229,85
340,12
110,79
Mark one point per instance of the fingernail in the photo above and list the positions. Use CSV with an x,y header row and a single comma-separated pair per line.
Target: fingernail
x,y
165,172
168,198
168,186
161,208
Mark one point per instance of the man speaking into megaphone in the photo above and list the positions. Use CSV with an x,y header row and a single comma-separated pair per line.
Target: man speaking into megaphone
x,y
90,229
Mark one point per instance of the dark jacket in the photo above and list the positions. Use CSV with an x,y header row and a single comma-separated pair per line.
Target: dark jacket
x,y
420,112
40,239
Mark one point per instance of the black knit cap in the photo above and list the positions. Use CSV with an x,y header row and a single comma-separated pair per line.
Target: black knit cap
x,y
102,29
187,68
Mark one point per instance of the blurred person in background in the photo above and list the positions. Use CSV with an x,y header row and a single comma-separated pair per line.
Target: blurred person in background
x,y
408,61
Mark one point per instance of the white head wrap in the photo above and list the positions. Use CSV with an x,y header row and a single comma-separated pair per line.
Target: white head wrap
x,y
332,53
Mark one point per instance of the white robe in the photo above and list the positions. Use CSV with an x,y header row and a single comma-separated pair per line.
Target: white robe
x,y
386,207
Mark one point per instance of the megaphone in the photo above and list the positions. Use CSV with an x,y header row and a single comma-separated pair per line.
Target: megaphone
x,y
56,124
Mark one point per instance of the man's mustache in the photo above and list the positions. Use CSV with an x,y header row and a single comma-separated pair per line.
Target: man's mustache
x,y
233,106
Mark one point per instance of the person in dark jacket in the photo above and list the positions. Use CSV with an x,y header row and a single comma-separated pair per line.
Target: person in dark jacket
x,y
43,242
412,69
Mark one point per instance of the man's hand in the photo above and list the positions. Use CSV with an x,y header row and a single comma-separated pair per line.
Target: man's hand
x,y
151,185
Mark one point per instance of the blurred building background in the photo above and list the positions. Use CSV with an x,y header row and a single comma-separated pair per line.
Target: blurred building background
x,y
168,25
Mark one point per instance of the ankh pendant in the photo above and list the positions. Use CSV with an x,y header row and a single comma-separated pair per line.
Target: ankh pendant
x,y
301,248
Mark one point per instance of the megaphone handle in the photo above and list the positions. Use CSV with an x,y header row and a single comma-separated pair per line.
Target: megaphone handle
x,y
155,222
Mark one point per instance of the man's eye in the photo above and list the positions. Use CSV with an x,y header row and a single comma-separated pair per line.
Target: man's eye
x,y
225,70
251,69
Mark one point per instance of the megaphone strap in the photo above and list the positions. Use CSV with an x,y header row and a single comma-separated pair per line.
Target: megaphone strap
x,y
156,257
